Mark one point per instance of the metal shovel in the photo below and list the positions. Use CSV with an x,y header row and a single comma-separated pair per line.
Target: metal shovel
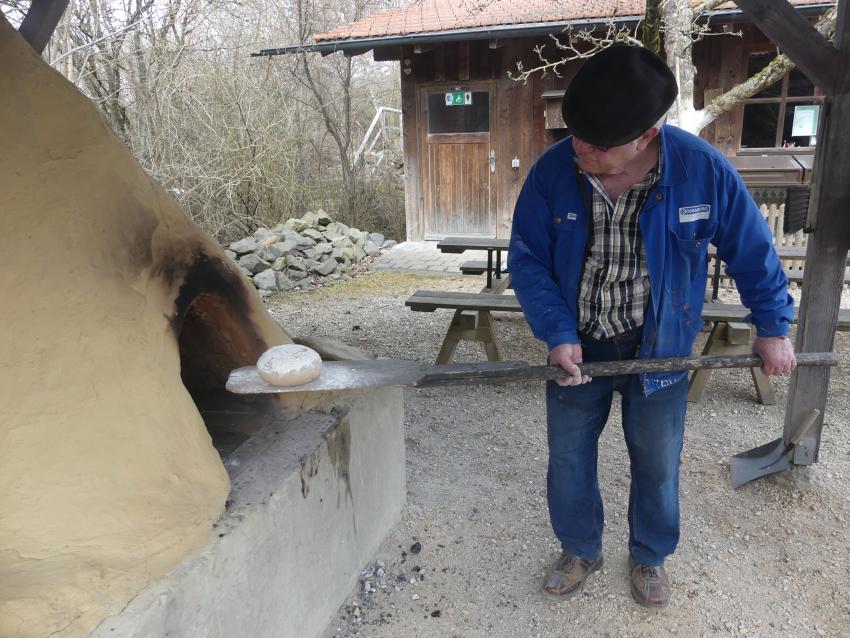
x,y
339,376
769,458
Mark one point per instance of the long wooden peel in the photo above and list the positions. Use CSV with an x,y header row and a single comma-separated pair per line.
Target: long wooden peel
x,y
523,372
353,375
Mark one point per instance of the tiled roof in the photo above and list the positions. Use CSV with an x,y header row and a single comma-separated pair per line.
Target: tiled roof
x,y
432,16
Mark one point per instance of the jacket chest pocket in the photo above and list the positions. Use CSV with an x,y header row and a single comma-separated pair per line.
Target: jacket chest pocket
x,y
689,255
568,226
569,243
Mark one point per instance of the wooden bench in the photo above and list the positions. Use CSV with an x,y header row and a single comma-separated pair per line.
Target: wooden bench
x,y
785,253
472,320
491,245
796,275
473,267
730,337
729,334
431,300
734,312
497,284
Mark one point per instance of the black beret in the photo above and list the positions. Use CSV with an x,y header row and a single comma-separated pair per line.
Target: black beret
x,y
618,95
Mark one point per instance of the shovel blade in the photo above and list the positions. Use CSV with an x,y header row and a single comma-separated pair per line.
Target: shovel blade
x,y
770,458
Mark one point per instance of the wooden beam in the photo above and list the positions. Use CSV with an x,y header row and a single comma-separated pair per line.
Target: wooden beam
x,y
439,64
40,22
350,53
841,41
463,61
798,39
386,54
826,253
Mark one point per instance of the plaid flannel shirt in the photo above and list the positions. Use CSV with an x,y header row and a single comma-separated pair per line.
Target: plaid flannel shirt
x,y
615,284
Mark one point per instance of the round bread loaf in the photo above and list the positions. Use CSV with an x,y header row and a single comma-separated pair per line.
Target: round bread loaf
x,y
289,365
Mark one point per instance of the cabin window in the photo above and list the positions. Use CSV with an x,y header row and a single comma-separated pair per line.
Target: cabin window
x,y
785,114
459,112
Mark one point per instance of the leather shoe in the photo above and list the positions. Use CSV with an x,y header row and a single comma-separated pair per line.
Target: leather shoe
x,y
568,574
650,585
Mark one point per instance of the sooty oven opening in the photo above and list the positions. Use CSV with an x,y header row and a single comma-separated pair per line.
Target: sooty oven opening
x,y
215,335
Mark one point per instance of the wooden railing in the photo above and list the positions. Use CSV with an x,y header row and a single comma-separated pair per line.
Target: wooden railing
x,y
774,213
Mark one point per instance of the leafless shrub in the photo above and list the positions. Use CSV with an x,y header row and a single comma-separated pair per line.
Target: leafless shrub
x,y
239,141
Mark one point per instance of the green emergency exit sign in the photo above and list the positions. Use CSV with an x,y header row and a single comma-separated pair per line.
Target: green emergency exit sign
x,y
458,98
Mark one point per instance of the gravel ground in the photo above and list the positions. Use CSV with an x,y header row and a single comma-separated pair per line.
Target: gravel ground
x,y
468,559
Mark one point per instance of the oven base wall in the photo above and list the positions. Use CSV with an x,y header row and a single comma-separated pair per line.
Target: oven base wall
x,y
312,500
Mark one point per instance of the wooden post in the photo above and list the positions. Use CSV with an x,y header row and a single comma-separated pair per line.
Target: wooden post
x,y
826,256
826,253
40,21
410,145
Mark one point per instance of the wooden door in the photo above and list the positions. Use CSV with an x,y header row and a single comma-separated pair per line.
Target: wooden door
x,y
456,167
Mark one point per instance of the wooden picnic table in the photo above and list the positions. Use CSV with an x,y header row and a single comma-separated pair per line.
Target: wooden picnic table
x,y
785,253
472,322
490,244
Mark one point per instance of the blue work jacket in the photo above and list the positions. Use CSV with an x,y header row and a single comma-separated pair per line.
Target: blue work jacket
x,y
699,198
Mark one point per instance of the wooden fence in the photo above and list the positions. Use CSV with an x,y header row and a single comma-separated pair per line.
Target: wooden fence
x,y
774,213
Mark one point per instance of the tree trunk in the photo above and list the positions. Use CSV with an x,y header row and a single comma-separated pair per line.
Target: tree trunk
x,y
650,28
678,45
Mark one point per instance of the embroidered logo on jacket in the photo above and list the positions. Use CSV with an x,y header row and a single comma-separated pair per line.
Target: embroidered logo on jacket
x,y
693,213
571,216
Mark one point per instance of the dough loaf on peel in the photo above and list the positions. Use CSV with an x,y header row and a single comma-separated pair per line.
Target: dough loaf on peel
x,y
289,365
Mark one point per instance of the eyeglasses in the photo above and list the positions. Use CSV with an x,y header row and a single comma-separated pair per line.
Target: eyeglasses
x,y
603,149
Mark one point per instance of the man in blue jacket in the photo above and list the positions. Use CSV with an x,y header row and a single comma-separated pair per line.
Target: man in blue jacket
x,y
608,258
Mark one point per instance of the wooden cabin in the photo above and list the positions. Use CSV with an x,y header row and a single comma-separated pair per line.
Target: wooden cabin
x,y
471,132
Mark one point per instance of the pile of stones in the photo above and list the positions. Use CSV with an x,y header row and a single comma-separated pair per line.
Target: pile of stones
x,y
304,251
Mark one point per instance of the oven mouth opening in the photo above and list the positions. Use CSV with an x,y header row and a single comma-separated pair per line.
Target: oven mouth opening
x,y
216,335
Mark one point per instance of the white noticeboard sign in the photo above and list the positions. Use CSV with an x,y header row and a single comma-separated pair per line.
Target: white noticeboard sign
x,y
805,120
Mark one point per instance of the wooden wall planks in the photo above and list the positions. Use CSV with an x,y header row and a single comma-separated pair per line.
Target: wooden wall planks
x,y
517,127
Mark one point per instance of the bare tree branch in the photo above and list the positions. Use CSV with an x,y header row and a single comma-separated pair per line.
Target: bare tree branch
x,y
85,45
580,43
706,6
771,74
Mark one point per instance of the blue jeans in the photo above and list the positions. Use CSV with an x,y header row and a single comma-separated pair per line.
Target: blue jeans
x,y
653,426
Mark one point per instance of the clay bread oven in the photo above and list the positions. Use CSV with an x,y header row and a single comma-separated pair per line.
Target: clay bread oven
x,y
120,317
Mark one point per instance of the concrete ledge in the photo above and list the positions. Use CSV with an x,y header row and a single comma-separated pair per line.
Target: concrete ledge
x,y
311,501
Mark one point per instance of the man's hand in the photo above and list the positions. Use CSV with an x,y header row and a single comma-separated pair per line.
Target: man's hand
x,y
777,355
567,355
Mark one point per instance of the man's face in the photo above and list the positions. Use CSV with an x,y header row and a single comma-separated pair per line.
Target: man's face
x,y
601,160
